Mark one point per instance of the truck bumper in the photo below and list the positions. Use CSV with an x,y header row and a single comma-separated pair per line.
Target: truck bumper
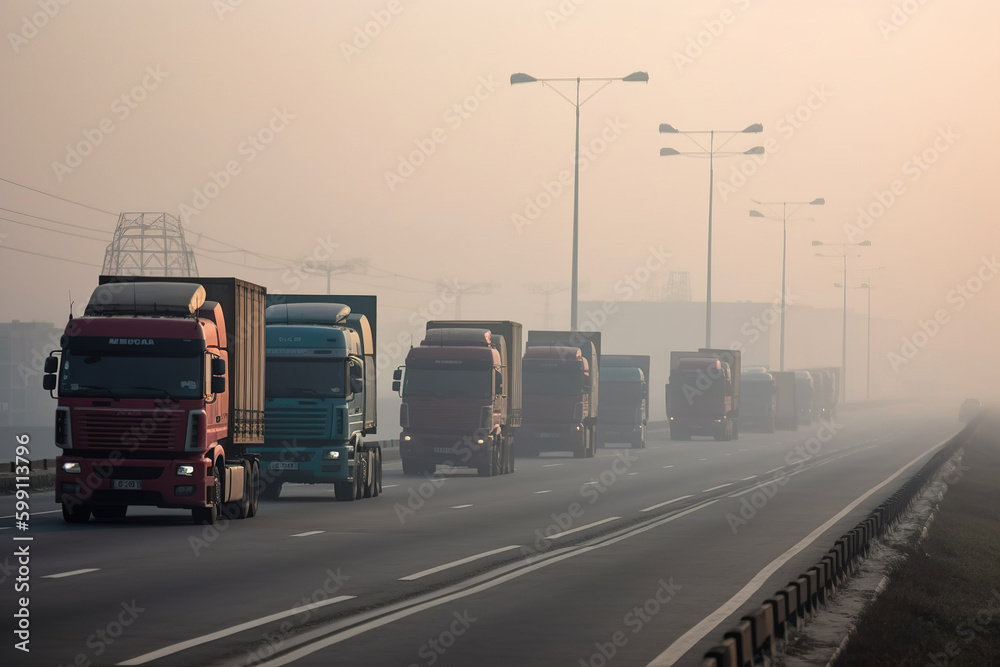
x,y
700,426
619,433
447,449
322,464
134,482
551,437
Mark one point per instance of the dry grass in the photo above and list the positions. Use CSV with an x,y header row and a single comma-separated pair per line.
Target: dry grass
x,y
942,606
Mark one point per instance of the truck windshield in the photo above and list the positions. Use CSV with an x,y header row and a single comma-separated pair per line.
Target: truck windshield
x,y
699,383
621,394
130,376
547,381
325,378
448,382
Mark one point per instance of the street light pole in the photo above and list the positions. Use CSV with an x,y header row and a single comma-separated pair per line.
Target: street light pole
x,y
843,358
521,77
819,201
666,128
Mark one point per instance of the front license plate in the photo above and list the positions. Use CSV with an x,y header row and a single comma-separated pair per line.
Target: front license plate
x,y
284,465
130,484
444,450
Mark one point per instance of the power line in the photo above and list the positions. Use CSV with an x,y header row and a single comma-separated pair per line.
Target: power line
x,y
38,254
58,222
92,208
56,231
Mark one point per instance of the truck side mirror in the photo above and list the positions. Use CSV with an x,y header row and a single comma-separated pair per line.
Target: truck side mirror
x,y
395,385
586,383
51,364
397,374
218,382
49,380
356,371
218,368
498,384
357,385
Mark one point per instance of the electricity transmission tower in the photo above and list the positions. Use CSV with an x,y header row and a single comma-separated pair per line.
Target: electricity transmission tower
x,y
149,244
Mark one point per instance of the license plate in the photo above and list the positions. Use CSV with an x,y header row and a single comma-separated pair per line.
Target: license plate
x,y
284,465
444,450
130,484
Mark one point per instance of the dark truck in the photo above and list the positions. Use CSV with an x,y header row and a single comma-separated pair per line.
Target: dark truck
x,y
758,397
785,418
320,395
561,381
161,392
625,399
461,394
703,394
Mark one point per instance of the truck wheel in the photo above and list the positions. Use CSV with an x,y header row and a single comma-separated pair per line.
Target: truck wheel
x,y
78,513
368,488
344,491
360,475
208,515
254,489
412,468
377,486
430,468
241,508
109,511
591,443
269,490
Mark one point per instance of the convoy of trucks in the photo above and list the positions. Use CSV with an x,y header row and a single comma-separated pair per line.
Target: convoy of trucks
x,y
703,394
320,395
160,395
461,391
561,393
625,399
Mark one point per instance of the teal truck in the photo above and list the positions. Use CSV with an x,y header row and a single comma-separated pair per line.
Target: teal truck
x,y
625,389
319,401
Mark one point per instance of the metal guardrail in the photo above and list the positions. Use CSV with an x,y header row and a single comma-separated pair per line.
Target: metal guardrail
x,y
759,635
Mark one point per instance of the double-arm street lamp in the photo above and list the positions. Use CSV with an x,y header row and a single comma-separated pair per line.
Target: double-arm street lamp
x,y
754,213
710,152
844,254
520,77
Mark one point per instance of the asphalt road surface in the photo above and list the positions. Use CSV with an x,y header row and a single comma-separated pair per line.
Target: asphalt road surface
x,y
634,557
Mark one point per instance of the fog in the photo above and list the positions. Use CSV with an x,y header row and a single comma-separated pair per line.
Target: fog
x,y
388,131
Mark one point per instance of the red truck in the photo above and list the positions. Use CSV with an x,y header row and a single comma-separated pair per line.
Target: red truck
x,y
461,397
703,394
561,380
160,392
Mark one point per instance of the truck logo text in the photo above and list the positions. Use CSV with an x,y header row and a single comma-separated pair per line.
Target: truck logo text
x,y
130,341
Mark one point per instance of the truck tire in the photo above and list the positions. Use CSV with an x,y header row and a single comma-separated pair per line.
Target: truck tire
x,y
360,475
254,489
109,511
208,515
268,490
412,467
79,513
240,509
377,486
368,487
344,491
592,442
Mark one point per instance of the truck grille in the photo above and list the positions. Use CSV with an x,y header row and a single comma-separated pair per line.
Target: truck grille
x,y
144,430
127,472
296,423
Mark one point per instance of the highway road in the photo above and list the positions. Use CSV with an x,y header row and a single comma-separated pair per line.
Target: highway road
x,y
634,557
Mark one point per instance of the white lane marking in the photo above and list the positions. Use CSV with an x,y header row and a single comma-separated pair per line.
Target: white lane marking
x,y
11,516
716,488
773,470
309,533
702,459
551,465
665,467
591,483
456,563
460,507
335,637
666,502
204,639
743,450
545,491
746,479
389,486
71,573
675,651
589,525
632,473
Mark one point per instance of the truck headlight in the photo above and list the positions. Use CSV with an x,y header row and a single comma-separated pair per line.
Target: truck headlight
x,y
72,467
406,438
185,470
331,454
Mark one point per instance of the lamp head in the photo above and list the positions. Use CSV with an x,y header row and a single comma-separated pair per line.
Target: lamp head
x,y
667,128
521,77
664,152
637,76
752,129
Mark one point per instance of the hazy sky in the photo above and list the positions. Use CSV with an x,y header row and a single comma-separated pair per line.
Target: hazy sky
x,y
391,129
